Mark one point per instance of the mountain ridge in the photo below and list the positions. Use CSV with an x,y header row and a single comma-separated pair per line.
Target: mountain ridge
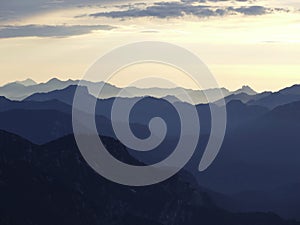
x,y
58,170
197,96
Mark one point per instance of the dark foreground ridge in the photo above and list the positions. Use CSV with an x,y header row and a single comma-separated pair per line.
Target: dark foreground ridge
x,y
52,184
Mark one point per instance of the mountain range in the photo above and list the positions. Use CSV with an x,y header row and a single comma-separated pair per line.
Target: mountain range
x,y
22,89
255,171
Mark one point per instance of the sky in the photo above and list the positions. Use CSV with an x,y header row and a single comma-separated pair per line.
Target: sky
x,y
243,42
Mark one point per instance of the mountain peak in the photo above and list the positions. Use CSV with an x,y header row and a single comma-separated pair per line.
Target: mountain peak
x,y
53,80
27,82
245,89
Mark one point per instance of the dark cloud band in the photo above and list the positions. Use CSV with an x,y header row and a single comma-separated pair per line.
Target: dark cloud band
x,y
48,31
16,9
179,9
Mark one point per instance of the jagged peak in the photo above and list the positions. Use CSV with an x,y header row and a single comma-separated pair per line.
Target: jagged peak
x,y
245,89
27,82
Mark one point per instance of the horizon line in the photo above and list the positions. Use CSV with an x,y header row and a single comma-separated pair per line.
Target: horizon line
x,y
187,88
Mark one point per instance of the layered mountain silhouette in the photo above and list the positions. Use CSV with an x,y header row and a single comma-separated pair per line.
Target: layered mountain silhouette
x,y
256,170
27,82
268,99
284,96
22,89
246,90
52,184
261,156
53,104
39,107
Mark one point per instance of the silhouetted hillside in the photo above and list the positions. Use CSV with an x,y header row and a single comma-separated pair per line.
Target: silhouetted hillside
x,y
261,157
282,97
65,95
257,165
52,184
39,126
6,105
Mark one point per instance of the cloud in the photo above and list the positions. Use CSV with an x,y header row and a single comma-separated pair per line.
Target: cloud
x,y
161,10
48,31
16,9
252,10
179,9
204,1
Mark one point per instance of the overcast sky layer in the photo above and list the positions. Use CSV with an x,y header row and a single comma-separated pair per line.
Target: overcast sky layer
x,y
242,41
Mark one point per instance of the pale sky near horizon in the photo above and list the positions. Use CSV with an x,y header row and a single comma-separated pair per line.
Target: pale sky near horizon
x,y
243,42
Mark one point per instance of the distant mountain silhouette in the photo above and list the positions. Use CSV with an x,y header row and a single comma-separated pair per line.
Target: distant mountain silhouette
x,y
130,92
258,162
267,99
24,89
27,82
293,90
42,125
245,124
65,95
144,110
18,91
261,155
52,184
246,95
281,97
245,98
246,90
6,105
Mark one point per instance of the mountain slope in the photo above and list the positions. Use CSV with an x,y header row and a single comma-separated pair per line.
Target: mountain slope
x,y
261,156
282,97
62,189
65,95
6,105
35,109
39,126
